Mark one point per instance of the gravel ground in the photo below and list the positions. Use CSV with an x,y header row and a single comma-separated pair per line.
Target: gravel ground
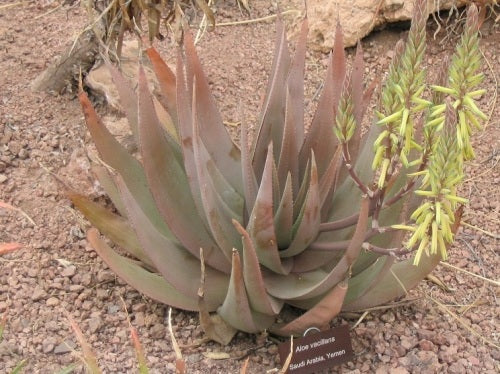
x,y
450,329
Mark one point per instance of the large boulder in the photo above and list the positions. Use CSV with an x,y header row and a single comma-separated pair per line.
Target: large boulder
x,y
359,17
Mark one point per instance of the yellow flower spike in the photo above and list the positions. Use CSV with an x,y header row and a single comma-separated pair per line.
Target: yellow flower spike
x,y
383,172
434,240
473,107
445,90
380,138
442,246
436,121
477,93
404,121
421,248
472,119
404,227
392,118
438,109
424,193
422,208
377,159
457,199
438,212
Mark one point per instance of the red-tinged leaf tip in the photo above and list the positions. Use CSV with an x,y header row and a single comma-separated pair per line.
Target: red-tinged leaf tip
x,y
89,357
9,247
319,315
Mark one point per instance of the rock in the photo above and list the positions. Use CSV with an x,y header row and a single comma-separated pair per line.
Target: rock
x,y
426,345
157,331
112,309
388,317
408,342
76,287
139,319
48,344
457,368
105,276
38,294
448,354
95,324
357,17
426,361
3,178
65,347
52,301
77,171
398,370
382,370
69,271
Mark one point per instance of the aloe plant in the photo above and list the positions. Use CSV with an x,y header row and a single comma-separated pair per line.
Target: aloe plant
x,y
315,219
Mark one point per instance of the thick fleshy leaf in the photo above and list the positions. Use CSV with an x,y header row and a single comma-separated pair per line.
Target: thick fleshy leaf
x,y
249,181
176,265
166,79
328,183
307,285
214,326
288,157
300,195
295,84
117,157
236,307
320,137
259,299
219,215
261,223
221,148
305,229
283,219
166,120
366,280
167,181
339,65
105,178
273,110
113,226
230,197
319,315
150,284
185,117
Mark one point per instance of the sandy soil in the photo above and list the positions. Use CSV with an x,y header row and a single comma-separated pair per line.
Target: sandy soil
x,y
57,271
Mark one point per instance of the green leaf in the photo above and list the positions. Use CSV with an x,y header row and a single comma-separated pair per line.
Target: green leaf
x,y
113,226
320,314
307,224
261,223
273,110
283,219
314,283
168,184
219,215
117,157
236,307
221,148
150,284
167,81
179,268
258,297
